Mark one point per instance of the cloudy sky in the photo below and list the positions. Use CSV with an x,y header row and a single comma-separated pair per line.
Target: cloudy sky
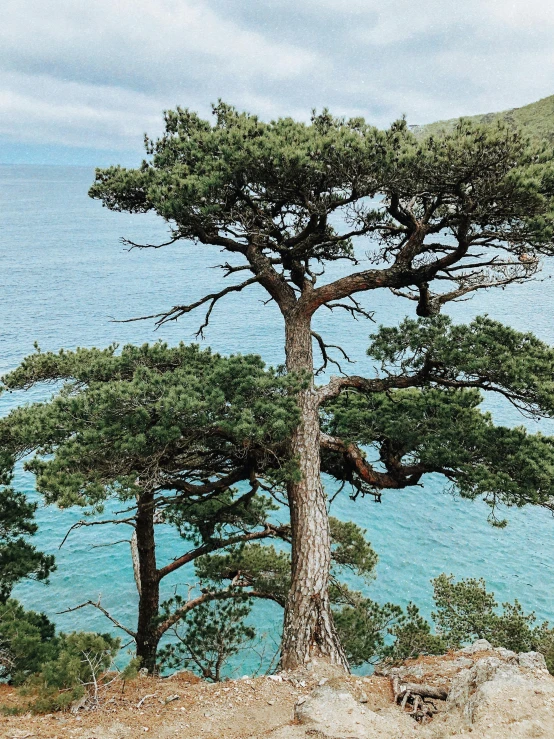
x,y
82,80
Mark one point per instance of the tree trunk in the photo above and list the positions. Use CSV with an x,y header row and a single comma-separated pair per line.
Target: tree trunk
x,y
308,624
149,595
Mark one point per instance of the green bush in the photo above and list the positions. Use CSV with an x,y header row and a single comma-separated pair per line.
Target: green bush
x,y
27,641
79,667
466,611
54,670
208,637
362,626
413,637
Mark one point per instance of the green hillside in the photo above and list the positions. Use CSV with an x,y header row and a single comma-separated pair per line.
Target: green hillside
x,y
537,119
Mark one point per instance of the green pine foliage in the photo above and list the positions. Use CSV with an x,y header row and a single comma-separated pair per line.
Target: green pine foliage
x,y
436,424
207,638
412,637
19,559
79,667
265,570
363,626
166,431
464,612
484,352
216,183
52,670
193,412
27,640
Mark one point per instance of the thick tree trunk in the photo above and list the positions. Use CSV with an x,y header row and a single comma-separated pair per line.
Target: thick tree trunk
x,y
308,625
149,594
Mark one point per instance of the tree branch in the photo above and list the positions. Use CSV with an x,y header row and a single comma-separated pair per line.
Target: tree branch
x,y
128,521
323,347
269,531
206,598
180,310
222,483
337,384
102,610
401,477
133,245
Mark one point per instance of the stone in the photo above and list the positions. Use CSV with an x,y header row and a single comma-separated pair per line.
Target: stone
x,y
532,661
335,713
506,654
481,645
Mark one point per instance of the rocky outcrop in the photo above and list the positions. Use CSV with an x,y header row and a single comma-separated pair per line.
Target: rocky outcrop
x,y
490,694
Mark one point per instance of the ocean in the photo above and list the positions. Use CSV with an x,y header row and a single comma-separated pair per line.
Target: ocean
x,y
65,276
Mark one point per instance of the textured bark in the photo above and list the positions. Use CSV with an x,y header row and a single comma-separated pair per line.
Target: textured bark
x,y
136,561
308,625
147,637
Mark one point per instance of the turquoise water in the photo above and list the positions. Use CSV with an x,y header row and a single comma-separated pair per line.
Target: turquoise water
x,y
65,274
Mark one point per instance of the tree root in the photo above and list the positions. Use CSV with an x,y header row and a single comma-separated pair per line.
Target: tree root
x,y
419,698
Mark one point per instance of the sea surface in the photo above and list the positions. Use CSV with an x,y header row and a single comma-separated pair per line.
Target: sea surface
x,y
65,276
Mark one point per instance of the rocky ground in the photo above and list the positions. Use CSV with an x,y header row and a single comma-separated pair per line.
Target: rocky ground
x,y
488,693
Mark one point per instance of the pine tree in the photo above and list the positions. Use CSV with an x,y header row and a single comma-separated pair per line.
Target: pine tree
x,y
19,559
166,431
466,211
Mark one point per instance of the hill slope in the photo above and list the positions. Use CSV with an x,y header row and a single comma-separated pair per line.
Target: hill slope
x,y
536,119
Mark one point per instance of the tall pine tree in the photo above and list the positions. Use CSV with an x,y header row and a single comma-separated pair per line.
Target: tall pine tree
x,y
446,217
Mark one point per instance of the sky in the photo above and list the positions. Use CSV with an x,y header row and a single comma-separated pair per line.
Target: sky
x,y
82,81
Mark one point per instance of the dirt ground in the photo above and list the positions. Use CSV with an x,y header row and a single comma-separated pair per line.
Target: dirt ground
x,y
186,707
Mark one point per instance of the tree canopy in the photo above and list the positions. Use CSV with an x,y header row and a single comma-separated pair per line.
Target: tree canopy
x,y
19,559
472,208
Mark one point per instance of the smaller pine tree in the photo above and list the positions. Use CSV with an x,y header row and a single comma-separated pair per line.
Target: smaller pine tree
x,y
209,637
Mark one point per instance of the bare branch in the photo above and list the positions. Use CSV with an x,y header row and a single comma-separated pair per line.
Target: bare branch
x,y
79,524
133,245
323,347
102,610
355,309
180,310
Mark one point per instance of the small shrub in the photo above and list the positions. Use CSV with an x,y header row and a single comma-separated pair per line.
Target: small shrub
x,y
209,637
80,667
413,637
362,627
27,641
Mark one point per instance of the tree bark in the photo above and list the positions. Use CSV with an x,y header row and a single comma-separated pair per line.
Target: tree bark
x,y
147,637
308,629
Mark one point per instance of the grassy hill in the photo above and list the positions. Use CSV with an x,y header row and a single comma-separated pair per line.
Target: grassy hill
x,y
537,119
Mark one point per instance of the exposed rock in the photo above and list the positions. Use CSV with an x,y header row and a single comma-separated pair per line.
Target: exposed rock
x,y
506,654
502,698
532,661
499,695
481,645
335,713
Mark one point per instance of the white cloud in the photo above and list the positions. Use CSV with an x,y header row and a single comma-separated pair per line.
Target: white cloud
x,y
163,41
98,73
39,109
